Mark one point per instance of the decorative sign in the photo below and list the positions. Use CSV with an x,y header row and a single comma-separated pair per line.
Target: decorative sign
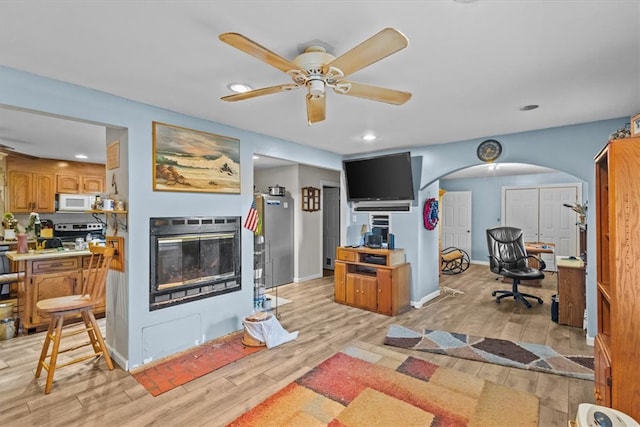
x,y
113,155
310,199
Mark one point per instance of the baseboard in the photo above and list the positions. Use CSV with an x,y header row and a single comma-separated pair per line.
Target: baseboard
x,y
119,359
425,299
304,279
590,341
479,262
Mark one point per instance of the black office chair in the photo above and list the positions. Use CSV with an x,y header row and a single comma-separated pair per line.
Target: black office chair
x,y
508,258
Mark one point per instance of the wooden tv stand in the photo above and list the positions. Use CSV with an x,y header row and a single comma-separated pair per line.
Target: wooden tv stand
x,y
372,279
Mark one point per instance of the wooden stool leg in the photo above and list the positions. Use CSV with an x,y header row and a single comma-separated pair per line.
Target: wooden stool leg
x,y
91,332
98,334
45,347
59,319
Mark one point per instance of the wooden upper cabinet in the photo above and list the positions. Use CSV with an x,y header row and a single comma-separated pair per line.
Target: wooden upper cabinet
x,y
67,184
31,192
92,184
79,184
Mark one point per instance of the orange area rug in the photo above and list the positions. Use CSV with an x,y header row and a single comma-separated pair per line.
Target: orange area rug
x,y
377,387
177,370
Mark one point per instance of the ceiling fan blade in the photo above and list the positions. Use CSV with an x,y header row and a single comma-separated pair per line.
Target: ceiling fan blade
x,y
372,50
375,93
260,92
316,109
254,49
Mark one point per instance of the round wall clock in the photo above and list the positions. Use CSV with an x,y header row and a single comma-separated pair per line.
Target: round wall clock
x,y
489,150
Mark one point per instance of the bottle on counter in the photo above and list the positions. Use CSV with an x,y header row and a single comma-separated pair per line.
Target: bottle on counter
x,y
37,226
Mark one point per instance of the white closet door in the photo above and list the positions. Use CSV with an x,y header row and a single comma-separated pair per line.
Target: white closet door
x,y
558,223
456,220
521,211
540,213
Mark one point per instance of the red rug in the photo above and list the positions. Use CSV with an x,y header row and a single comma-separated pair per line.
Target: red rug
x,y
178,370
371,387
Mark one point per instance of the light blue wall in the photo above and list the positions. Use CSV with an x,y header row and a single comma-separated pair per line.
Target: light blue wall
x,y
155,334
570,149
486,201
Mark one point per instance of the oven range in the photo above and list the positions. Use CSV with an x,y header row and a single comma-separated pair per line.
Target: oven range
x,y
70,231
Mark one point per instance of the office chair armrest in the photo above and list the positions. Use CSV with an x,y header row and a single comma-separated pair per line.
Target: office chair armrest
x,y
542,264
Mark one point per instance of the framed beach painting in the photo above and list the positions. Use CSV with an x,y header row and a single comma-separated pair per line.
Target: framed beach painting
x,y
193,161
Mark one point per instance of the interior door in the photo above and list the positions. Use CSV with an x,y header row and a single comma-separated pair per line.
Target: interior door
x,y
540,213
521,211
456,220
330,225
558,223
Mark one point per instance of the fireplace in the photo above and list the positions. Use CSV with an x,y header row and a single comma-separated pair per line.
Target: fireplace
x,y
193,258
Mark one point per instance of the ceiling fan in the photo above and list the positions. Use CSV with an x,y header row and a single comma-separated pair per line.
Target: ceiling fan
x,y
315,69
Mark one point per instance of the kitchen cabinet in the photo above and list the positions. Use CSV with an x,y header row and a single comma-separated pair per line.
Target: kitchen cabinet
x,y
372,279
33,183
31,192
48,274
79,184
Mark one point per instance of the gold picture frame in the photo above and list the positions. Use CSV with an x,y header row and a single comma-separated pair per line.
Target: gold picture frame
x,y
189,160
635,125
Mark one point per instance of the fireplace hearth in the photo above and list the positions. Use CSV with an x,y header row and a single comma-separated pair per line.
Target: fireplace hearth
x,y
193,258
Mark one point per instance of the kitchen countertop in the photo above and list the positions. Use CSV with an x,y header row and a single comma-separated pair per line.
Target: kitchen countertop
x,y
45,254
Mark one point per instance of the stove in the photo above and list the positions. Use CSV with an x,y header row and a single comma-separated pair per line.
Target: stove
x,y
70,231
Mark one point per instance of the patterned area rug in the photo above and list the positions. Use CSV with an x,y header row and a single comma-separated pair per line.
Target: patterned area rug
x,y
380,387
535,357
194,363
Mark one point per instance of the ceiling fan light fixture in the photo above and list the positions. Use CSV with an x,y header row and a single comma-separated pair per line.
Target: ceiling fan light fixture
x,y
316,88
239,87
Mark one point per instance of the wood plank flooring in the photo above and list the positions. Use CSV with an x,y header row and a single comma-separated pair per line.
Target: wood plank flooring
x,y
88,394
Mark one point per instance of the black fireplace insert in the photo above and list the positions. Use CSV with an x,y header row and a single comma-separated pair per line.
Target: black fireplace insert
x,y
193,258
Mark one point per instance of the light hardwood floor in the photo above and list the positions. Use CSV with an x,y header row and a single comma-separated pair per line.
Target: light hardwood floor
x,y
88,394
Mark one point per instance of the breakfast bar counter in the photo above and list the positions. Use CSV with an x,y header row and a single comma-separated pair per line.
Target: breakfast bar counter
x,y
47,273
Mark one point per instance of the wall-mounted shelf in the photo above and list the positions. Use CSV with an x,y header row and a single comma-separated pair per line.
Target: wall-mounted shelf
x,y
310,199
116,222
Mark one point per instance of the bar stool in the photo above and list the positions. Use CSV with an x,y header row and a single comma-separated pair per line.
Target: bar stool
x,y
93,288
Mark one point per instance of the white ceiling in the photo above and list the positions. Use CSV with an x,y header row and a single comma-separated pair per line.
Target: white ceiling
x,y
470,66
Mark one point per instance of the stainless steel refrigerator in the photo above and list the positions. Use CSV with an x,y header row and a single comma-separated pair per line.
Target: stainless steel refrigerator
x,y
277,228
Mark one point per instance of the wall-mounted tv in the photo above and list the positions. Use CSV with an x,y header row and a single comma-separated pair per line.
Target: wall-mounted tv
x,y
385,177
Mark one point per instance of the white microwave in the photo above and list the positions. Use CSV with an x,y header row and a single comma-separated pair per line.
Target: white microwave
x,y
75,202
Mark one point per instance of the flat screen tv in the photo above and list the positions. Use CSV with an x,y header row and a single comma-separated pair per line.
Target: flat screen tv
x,y
385,177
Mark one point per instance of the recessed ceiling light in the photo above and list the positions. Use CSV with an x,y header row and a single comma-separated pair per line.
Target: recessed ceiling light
x,y
81,156
529,107
369,137
255,157
239,87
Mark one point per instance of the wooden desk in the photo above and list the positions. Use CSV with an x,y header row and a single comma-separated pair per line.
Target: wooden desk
x,y
571,291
